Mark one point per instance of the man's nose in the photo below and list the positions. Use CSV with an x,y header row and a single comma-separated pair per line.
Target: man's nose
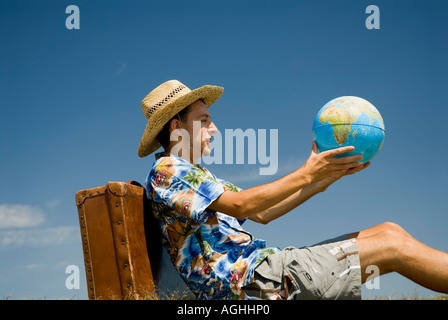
x,y
212,129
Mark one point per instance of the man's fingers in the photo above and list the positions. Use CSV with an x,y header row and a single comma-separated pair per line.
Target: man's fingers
x,y
348,166
337,151
357,169
343,160
341,150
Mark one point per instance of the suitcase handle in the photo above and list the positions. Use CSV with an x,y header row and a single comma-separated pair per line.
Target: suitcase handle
x,y
135,183
83,194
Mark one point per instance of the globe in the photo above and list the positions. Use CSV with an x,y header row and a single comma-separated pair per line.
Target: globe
x,y
349,121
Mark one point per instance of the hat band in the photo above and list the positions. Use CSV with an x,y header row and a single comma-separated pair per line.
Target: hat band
x,y
156,106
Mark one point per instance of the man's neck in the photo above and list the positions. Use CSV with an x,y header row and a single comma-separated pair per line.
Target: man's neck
x,y
167,153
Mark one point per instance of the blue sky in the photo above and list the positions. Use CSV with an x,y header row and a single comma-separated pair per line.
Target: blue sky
x,y
71,117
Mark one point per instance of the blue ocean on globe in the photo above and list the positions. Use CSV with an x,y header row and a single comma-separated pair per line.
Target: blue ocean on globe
x,y
350,121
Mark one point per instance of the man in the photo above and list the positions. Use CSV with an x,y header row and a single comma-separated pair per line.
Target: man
x,y
201,216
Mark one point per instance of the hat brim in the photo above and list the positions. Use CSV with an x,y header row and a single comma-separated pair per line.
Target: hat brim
x,y
149,142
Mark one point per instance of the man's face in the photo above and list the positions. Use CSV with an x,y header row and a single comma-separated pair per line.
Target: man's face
x,y
200,127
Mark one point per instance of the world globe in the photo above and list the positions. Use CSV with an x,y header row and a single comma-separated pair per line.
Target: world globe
x,y
349,121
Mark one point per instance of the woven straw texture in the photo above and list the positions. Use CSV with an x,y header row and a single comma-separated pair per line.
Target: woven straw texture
x,y
164,102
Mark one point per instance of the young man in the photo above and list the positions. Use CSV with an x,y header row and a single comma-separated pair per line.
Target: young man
x,y
201,216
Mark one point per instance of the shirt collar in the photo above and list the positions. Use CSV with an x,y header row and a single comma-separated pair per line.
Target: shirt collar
x,y
162,154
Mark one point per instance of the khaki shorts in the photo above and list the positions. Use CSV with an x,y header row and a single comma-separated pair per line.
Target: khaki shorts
x,y
328,270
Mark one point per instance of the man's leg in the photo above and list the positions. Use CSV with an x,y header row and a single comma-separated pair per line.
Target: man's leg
x,y
391,248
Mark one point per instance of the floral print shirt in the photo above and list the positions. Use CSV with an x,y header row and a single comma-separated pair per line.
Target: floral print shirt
x,y
209,249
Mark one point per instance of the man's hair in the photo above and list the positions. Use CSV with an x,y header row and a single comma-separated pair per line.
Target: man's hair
x,y
164,134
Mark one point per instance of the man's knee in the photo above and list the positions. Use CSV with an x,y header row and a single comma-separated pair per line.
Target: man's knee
x,y
385,249
393,235
398,244
394,228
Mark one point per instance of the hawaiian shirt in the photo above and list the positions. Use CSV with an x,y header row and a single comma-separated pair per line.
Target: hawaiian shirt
x,y
209,249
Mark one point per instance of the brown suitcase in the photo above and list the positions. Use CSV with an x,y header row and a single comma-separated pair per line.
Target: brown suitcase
x,y
115,237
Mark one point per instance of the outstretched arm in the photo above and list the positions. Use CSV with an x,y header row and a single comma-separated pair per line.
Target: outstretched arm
x,y
299,197
269,201
283,207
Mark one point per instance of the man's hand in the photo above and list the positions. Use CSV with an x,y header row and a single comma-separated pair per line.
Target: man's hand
x,y
323,168
322,185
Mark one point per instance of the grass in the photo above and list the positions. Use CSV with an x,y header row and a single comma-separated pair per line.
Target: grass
x,y
179,295
413,296
149,294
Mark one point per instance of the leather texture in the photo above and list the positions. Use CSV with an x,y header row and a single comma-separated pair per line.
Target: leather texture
x,y
115,241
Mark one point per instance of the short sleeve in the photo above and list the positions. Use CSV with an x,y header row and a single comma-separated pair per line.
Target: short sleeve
x,y
184,187
230,186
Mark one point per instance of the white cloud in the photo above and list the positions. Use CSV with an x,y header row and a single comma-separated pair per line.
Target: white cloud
x,y
121,68
53,204
20,216
20,226
36,266
37,237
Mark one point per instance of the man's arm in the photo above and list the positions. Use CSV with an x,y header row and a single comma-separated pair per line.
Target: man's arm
x,y
269,201
299,197
286,205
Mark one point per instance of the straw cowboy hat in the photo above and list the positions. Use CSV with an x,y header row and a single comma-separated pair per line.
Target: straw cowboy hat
x,y
164,102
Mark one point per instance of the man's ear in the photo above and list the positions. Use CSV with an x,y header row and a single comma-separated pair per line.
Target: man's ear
x,y
174,126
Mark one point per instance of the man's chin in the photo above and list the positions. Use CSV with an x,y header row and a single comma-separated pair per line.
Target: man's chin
x,y
206,152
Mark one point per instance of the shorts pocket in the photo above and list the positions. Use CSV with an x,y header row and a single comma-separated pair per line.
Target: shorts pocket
x,y
299,284
308,273
271,268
